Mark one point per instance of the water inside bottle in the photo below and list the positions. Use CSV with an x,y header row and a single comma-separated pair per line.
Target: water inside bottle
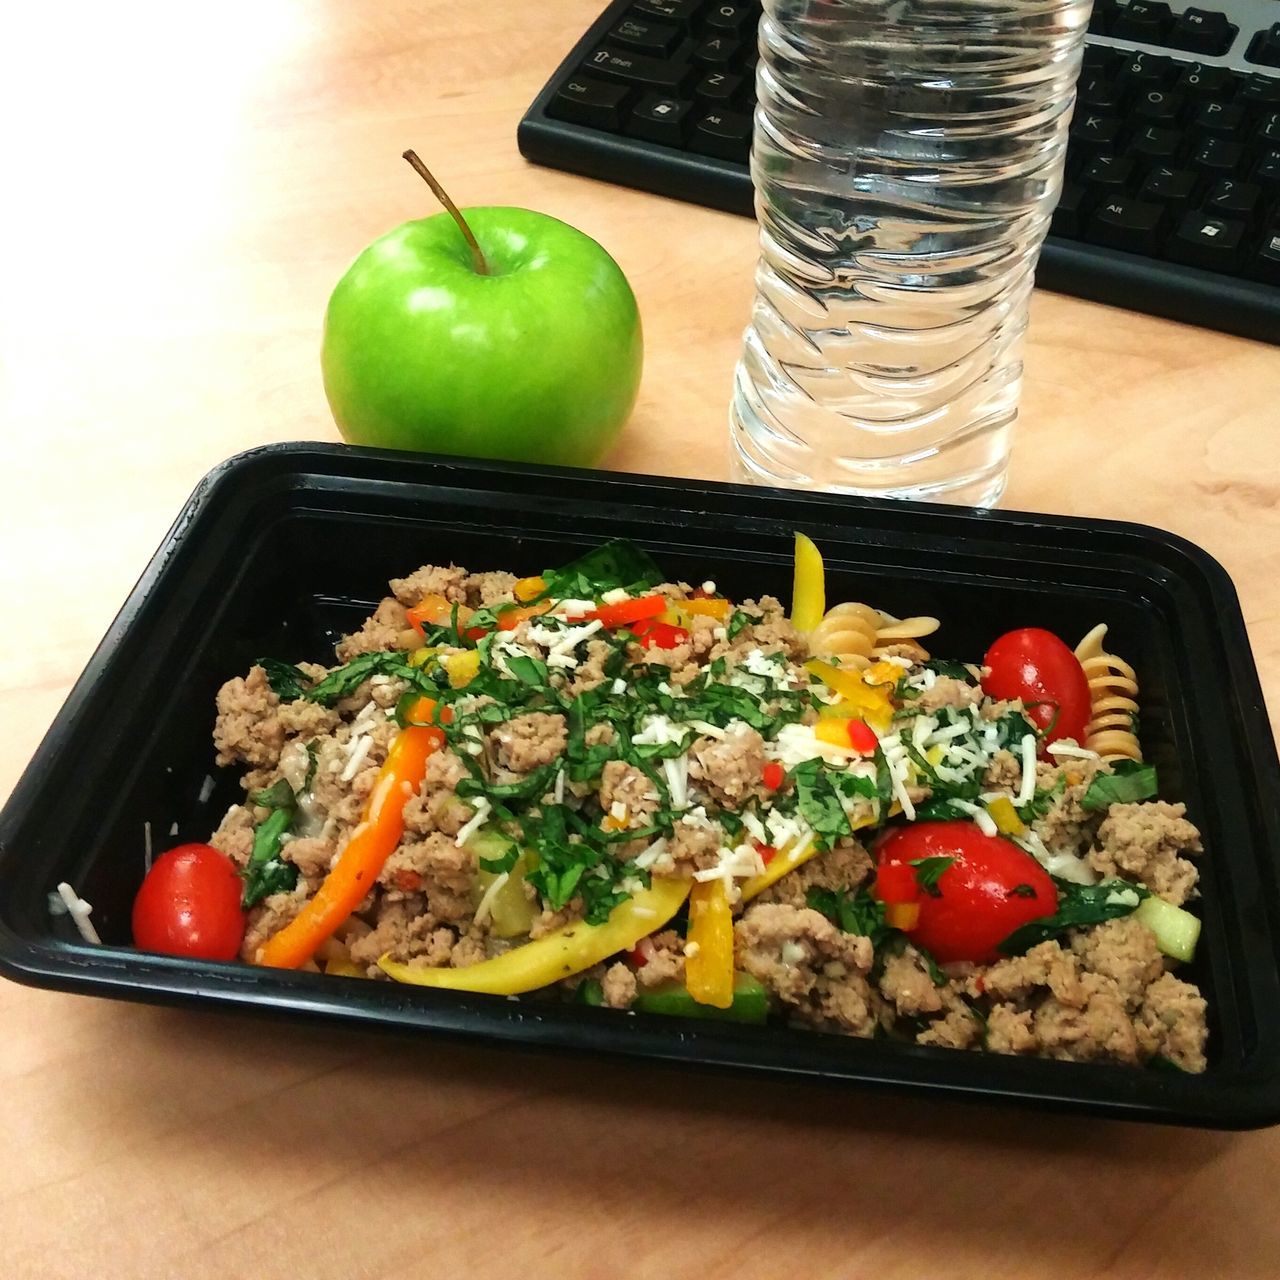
x,y
907,160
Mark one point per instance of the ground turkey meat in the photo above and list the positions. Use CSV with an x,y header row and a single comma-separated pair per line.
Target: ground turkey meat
x,y
1142,842
814,968
623,784
494,587
436,807
844,866
618,986
905,983
447,875
729,768
947,691
409,936
431,580
234,835
529,742
959,1027
388,628
248,727
1171,1023
664,960
1067,825
692,845
770,633
269,917
312,855
1104,999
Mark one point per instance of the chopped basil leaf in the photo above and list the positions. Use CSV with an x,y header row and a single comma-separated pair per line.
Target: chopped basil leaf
x,y
287,681
1042,801
277,796
738,620
1128,782
1078,905
266,873
818,803
928,873
858,912
616,564
530,671
950,668
345,680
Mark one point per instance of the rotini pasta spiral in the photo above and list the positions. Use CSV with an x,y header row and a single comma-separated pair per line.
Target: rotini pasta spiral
x,y
1113,690
856,634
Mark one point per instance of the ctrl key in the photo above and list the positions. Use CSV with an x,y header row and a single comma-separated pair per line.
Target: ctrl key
x,y
582,100
1202,240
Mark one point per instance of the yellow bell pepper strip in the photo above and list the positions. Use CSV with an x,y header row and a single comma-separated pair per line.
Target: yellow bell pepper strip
x,y
808,592
1005,816
527,589
711,606
788,858
902,915
559,954
858,699
708,966
370,845
344,969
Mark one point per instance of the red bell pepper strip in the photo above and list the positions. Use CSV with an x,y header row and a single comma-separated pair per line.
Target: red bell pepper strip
x,y
626,612
773,775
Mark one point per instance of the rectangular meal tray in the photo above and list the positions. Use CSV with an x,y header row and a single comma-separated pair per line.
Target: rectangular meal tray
x,y
282,549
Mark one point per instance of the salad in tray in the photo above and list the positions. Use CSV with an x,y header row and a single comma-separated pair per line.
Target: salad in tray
x,y
597,786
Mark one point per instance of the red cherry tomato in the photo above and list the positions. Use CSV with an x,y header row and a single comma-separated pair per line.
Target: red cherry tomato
x,y
991,888
189,905
1037,667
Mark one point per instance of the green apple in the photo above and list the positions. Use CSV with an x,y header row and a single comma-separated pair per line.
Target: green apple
x,y
524,346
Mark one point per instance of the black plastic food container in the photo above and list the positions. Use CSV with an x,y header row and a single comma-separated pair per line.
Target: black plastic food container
x,y
282,549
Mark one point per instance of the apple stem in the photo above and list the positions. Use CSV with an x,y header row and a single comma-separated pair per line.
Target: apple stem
x,y
482,267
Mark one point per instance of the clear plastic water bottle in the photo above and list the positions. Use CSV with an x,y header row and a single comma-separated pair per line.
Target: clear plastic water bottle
x,y
908,156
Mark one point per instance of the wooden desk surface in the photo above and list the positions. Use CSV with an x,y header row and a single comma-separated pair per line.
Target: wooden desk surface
x,y
186,186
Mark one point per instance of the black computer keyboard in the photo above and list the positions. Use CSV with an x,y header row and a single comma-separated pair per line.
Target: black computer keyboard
x,y
1171,203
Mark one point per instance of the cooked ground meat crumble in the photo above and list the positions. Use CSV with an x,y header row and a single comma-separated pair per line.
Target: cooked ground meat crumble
x,y
644,748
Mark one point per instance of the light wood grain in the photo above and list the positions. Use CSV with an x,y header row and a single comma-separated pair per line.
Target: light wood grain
x,y
188,184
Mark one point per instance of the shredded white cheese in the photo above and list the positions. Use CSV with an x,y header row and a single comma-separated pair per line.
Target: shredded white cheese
x,y
363,745
80,911
1027,789
485,907
473,824
1076,753
146,845
647,857
558,794
206,790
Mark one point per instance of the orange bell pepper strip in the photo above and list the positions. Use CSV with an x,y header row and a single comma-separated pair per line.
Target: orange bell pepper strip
x,y
435,611
708,971
370,845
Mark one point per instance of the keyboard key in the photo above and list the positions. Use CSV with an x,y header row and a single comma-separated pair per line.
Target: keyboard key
x,y
1094,130
732,17
1143,20
1068,217
637,69
1108,173
667,10
718,86
1202,31
1201,80
1156,144
717,51
1260,91
1264,48
1103,15
1147,70
1171,187
1099,59
1097,93
1269,128
659,119
1267,171
1232,199
1203,240
1124,222
1216,157
1221,119
726,134
582,100
1158,106
655,38
1266,262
